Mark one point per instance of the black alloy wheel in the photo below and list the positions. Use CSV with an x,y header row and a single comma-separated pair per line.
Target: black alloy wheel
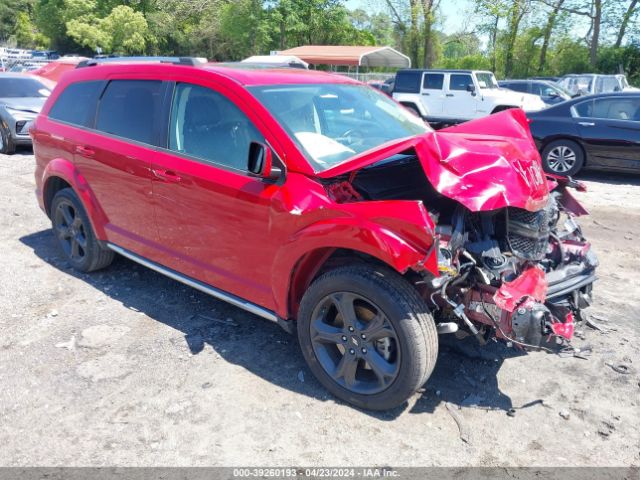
x,y
355,343
75,235
367,335
70,230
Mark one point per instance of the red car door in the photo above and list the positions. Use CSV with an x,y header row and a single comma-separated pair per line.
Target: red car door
x,y
213,218
115,159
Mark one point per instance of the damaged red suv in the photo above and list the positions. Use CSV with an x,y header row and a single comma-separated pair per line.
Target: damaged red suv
x,y
317,202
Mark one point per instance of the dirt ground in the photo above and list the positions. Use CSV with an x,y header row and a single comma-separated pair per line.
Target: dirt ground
x,y
125,367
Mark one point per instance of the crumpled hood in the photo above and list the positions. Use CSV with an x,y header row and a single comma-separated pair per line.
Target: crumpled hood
x,y
26,104
484,164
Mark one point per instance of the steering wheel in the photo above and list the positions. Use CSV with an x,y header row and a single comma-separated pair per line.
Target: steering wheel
x,y
351,136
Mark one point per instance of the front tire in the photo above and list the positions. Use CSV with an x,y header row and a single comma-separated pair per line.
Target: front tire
x,y
367,336
563,157
7,145
75,235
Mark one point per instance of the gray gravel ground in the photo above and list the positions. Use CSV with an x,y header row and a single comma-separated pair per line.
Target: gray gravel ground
x,y
125,367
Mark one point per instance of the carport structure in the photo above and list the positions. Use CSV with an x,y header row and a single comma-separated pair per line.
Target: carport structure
x,y
350,56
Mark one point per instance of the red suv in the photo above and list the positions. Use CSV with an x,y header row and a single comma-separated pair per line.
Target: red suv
x,y
317,202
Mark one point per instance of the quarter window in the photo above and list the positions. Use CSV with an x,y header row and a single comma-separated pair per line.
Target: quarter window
x,y
207,125
459,82
130,109
583,109
77,103
433,81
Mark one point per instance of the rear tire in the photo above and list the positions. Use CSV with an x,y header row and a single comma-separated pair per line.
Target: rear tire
x,y
74,233
7,145
563,157
391,341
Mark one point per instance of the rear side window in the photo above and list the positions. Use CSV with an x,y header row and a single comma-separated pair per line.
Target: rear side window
x,y
516,87
407,81
130,109
460,82
433,81
77,103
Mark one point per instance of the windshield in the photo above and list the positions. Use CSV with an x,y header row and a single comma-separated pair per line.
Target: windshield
x,y
560,89
22,88
577,84
486,80
331,123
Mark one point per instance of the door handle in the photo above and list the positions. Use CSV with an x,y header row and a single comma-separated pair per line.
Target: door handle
x,y
586,124
425,93
450,95
84,151
167,175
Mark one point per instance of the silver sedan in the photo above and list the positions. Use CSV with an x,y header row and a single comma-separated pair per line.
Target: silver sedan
x,y
21,98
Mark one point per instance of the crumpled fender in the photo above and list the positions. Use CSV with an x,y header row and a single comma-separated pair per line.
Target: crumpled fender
x,y
64,169
399,233
484,164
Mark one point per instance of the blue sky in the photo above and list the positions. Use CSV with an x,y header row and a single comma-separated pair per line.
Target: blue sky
x,y
454,13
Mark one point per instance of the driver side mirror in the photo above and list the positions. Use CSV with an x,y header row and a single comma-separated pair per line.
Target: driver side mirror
x,y
261,162
471,88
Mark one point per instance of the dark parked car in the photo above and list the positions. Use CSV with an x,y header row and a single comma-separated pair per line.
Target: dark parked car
x,y
597,131
550,93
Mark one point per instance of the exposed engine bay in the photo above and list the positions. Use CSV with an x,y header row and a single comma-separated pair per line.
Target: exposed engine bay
x,y
508,273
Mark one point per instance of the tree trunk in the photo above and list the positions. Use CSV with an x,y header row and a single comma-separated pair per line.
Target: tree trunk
x,y
625,22
427,13
494,44
595,35
517,12
547,35
414,34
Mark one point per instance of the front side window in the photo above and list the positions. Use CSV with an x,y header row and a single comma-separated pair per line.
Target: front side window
x,y
331,123
207,125
77,103
460,81
433,81
130,109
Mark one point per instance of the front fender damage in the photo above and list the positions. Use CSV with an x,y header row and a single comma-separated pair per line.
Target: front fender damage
x,y
508,259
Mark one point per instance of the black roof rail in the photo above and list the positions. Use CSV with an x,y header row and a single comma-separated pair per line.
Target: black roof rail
x,y
190,61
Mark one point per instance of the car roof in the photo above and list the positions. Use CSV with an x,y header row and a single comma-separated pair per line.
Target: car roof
x,y
18,75
569,75
595,96
441,70
526,80
244,74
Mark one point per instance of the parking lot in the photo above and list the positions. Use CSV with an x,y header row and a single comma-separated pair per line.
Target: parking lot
x,y
126,367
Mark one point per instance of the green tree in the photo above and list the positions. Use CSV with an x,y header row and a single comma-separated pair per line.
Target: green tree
x,y
122,31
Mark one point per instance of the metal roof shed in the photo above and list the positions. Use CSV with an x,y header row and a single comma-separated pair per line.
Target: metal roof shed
x,y
352,56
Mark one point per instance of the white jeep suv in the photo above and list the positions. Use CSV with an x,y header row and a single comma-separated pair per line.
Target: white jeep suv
x,y
455,96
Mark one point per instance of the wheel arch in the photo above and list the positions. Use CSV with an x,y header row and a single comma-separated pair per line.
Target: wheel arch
x,y
59,174
414,106
301,263
502,108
